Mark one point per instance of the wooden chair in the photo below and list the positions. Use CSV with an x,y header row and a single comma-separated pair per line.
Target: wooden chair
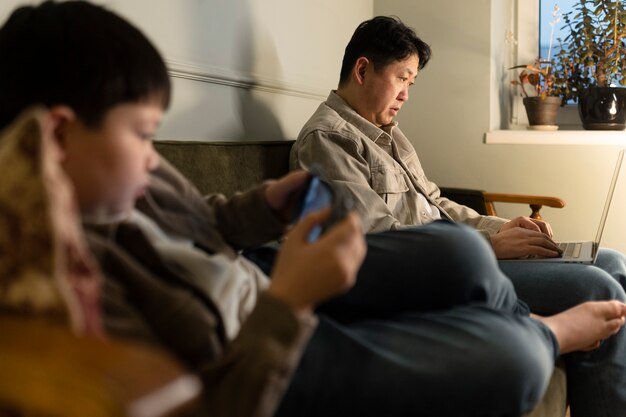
x,y
483,202
45,370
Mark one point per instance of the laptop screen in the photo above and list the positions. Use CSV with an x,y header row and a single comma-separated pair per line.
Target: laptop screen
x,y
609,197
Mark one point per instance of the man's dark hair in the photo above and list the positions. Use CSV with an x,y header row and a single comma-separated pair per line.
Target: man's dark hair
x,y
382,40
77,54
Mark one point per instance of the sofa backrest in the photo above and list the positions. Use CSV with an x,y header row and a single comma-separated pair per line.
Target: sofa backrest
x,y
227,167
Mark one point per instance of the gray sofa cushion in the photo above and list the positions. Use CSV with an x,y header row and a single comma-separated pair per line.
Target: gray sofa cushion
x,y
227,167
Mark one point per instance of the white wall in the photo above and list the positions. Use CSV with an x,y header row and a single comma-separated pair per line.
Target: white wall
x,y
243,69
451,109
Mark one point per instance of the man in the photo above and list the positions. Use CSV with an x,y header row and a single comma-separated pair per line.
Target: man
x,y
356,144
174,277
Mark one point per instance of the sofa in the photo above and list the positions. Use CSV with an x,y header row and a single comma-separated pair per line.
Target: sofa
x,y
227,167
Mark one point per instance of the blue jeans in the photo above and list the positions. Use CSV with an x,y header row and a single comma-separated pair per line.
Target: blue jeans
x,y
596,381
431,328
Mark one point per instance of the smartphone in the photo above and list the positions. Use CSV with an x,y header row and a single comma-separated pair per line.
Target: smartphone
x,y
317,195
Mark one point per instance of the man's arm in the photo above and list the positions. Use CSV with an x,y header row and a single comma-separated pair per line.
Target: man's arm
x,y
341,160
517,238
486,225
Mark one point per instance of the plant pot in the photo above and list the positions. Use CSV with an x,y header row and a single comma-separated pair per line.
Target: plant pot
x,y
542,112
603,108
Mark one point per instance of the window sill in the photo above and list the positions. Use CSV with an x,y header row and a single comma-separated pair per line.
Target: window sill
x,y
558,137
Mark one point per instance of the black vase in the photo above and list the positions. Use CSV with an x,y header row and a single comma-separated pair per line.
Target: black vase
x,y
603,108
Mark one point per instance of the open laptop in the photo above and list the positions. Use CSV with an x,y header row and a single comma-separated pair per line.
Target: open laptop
x,y
585,252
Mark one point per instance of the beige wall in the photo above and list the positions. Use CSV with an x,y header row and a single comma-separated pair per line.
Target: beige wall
x,y
264,65
450,110
243,69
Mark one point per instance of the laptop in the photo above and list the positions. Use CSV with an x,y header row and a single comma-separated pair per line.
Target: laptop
x,y
585,252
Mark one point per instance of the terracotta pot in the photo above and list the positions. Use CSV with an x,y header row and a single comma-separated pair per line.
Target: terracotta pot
x,y
542,111
603,108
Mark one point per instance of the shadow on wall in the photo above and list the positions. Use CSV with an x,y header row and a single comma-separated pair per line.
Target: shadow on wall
x,y
257,118
233,39
258,56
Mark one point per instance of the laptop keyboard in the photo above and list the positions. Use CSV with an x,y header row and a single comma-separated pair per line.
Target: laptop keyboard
x,y
571,249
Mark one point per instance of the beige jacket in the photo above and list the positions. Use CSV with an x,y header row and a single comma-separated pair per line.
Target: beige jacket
x,y
380,170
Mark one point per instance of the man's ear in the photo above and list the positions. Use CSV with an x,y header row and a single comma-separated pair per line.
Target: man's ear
x,y
360,68
62,117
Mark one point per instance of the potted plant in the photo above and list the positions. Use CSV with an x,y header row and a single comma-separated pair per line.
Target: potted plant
x,y
537,83
592,62
540,87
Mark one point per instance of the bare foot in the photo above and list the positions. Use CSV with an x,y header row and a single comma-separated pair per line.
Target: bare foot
x,y
586,325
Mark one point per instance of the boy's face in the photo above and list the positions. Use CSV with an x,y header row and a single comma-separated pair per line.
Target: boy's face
x,y
386,90
110,164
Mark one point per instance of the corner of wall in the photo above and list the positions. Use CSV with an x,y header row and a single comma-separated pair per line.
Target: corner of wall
x,y
502,52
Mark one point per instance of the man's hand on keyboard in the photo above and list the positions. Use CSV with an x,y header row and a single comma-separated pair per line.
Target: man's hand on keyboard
x,y
524,237
528,223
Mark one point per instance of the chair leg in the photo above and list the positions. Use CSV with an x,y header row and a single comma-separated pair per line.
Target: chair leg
x,y
535,211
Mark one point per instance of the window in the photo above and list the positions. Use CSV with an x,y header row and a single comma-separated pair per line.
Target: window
x,y
551,25
532,33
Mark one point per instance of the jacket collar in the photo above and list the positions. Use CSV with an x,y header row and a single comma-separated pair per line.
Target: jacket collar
x,y
376,134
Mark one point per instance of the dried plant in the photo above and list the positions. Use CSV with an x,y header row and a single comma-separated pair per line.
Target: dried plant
x,y
539,76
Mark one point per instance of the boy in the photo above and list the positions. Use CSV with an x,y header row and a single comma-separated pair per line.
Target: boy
x,y
174,277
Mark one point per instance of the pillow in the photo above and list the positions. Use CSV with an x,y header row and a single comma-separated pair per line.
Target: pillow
x,y
46,269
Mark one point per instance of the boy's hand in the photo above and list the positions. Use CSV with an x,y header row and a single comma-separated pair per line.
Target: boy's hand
x,y
281,194
307,273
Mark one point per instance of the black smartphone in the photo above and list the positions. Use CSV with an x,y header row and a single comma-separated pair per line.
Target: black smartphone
x,y
319,194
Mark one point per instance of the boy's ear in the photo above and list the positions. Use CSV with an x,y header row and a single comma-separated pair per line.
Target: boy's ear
x,y
360,68
61,117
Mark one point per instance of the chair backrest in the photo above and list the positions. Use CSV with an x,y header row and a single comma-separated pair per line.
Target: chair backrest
x,y
227,167
474,199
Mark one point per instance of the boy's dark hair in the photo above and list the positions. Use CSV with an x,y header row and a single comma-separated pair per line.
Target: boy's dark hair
x,y
77,54
382,40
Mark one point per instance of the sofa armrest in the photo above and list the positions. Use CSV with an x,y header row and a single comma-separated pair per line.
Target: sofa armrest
x,y
47,370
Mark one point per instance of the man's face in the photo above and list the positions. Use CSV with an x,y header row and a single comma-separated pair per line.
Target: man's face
x,y
110,164
386,90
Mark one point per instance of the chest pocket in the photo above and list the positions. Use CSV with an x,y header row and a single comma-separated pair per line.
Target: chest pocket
x,y
390,185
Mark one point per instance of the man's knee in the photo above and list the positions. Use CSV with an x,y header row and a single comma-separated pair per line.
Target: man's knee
x,y
463,243
523,364
507,360
613,263
455,258
466,254
451,242
594,284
